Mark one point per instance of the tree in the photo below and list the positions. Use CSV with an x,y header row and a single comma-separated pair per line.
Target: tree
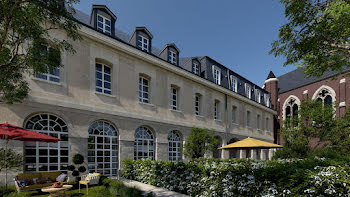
x,y
318,121
13,159
199,142
316,36
26,29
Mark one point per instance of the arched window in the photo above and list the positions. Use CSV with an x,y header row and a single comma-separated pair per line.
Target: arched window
x,y
144,144
175,145
295,110
291,107
103,148
325,94
42,156
328,100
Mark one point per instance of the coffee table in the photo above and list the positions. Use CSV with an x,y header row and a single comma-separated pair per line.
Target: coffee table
x,y
56,191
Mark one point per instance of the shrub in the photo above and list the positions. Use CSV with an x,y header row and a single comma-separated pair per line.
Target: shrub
x,y
240,177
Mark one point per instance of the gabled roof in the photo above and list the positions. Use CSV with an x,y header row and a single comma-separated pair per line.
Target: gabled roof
x,y
170,45
103,7
142,29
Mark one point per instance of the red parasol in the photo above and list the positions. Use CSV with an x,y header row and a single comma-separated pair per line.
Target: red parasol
x,y
11,132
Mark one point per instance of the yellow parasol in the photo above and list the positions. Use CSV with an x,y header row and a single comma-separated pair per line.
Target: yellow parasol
x,y
251,143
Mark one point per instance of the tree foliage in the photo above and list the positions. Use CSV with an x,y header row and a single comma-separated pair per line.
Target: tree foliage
x,y
316,121
26,29
13,159
316,36
199,142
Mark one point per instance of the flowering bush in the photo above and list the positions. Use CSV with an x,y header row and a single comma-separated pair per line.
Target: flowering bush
x,y
239,177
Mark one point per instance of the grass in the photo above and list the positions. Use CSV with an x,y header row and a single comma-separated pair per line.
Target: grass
x,y
108,187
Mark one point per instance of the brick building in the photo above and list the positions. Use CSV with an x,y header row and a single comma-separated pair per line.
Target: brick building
x,y
288,90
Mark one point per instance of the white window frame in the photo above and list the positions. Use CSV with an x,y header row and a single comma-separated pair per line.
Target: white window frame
x,y
257,96
144,143
104,90
197,100
103,130
144,90
248,91
174,146
172,57
59,146
141,43
216,75
104,24
233,83
267,100
52,76
216,110
174,98
195,68
234,115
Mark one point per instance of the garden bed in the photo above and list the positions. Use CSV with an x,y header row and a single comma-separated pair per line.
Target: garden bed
x,y
107,188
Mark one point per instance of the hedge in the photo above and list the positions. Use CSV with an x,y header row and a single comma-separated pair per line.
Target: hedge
x,y
239,177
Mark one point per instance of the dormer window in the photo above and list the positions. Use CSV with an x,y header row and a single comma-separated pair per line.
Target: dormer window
x,y
233,83
217,76
257,96
103,24
170,53
143,43
248,91
195,68
172,57
267,100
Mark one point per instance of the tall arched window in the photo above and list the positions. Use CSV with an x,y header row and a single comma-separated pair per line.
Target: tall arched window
x,y
325,97
175,145
42,156
144,144
103,148
291,107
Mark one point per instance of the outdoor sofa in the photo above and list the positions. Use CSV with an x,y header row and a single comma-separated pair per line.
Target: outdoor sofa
x,y
33,181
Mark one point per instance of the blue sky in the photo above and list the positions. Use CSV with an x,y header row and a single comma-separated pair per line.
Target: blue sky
x,y
236,33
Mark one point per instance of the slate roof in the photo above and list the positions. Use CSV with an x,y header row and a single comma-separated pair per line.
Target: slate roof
x,y
296,79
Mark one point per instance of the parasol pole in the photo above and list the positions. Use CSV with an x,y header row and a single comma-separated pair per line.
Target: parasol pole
x,y
6,142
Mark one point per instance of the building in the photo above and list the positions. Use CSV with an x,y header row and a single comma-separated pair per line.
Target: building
x,y
287,92
119,97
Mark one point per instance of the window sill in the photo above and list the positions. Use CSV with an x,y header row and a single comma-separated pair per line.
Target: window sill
x,y
199,116
218,120
108,95
146,104
235,124
46,81
176,111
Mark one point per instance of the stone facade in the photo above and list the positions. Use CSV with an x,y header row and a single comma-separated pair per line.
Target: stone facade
x,y
75,101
